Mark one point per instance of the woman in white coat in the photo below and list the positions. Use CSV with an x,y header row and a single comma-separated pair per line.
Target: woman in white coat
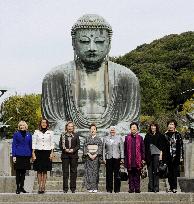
x,y
42,152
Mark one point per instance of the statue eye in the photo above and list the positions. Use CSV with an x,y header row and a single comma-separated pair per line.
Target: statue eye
x,y
84,40
99,40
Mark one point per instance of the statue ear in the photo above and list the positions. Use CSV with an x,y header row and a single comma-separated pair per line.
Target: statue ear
x,y
75,54
73,43
109,47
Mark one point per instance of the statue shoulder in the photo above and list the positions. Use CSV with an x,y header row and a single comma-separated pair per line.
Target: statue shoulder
x,y
60,70
122,70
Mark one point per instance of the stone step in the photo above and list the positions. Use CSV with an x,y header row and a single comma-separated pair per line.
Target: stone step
x,y
57,185
80,189
80,182
60,178
85,198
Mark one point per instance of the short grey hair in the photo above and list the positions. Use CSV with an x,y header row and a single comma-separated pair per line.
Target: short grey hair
x,y
112,127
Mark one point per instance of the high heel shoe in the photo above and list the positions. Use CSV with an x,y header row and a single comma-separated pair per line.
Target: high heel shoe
x,y
23,190
43,189
17,191
174,190
40,190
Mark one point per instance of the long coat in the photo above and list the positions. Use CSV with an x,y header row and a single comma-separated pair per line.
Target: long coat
x,y
139,151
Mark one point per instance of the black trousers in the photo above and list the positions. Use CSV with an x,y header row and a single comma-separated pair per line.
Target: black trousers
x,y
20,177
173,171
113,167
69,163
153,184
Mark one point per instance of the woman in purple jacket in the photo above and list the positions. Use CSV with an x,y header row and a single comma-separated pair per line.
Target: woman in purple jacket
x,y
134,157
21,152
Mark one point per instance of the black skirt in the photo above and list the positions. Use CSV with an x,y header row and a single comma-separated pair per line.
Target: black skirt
x,y
22,162
42,162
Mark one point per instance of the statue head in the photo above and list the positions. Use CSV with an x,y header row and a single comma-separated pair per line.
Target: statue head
x,y
91,38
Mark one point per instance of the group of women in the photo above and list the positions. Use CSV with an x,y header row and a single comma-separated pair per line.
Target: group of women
x,y
132,154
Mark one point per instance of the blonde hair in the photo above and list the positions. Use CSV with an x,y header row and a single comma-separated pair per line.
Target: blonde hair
x,y
22,122
69,122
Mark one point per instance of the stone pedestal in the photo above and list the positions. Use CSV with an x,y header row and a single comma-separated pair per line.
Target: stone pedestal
x,y
189,160
186,183
5,166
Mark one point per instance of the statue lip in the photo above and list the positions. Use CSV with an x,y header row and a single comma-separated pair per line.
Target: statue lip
x,y
92,55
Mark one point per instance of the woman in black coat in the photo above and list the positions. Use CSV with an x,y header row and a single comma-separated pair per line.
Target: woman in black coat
x,y
174,153
154,147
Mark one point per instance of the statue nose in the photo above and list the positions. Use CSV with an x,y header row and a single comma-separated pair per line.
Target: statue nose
x,y
92,46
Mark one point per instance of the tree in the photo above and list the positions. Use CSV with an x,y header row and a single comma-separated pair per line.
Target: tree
x,y
17,108
165,70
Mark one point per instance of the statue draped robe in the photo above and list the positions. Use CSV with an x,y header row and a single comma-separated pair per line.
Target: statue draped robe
x,y
60,98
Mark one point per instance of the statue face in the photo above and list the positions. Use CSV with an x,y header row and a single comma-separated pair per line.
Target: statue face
x,y
92,45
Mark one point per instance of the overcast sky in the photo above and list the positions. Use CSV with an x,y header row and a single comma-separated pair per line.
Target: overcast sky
x,y
35,34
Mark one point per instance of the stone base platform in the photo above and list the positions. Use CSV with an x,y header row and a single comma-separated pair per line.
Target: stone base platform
x,y
186,184
101,197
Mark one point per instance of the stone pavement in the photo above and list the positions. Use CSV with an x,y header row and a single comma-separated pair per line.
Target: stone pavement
x,y
54,194
101,197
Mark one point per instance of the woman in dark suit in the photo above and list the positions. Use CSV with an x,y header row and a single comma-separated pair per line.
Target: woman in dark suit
x,y
21,152
154,147
69,144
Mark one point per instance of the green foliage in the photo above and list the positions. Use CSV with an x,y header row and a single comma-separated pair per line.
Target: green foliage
x,y
188,106
165,69
17,108
145,120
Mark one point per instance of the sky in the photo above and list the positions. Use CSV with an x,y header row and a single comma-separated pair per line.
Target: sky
x,y
35,35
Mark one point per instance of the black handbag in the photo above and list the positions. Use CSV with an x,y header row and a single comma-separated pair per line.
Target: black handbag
x,y
123,175
162,170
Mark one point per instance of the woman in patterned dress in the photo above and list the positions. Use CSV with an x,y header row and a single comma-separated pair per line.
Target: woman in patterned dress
x,y
92,151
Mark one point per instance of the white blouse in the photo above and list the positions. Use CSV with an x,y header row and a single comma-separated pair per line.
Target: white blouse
x,y
43,141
